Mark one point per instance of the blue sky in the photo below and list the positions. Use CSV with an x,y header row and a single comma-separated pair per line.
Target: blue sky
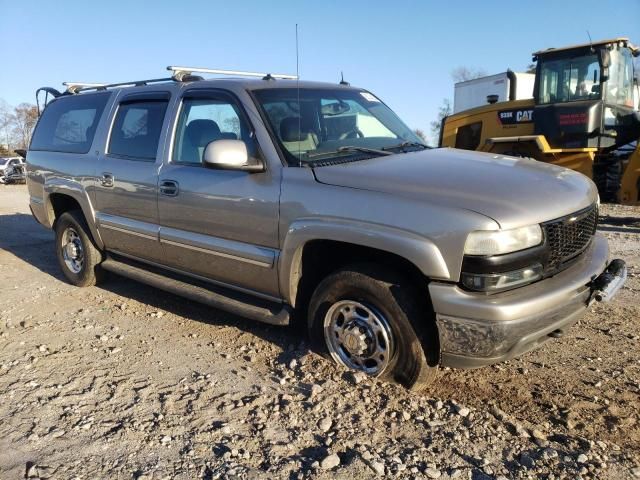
x,y
403,51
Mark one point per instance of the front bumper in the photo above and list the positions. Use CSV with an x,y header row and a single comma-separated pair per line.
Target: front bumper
x,y
477,329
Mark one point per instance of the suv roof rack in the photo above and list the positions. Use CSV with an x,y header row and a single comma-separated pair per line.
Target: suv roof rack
x,y
77,87
72,87
181,72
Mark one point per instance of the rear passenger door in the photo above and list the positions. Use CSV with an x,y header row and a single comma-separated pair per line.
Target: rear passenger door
x,y
127,176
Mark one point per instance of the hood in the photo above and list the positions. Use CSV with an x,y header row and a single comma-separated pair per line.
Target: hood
x,y
512,191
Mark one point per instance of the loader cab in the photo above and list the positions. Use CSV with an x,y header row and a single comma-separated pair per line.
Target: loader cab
x,y
586,95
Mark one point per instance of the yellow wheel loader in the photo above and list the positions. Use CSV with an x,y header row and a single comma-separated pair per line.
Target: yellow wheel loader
x,y
583,115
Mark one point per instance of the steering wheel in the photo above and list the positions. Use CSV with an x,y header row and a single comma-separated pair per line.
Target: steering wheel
x,y
355,132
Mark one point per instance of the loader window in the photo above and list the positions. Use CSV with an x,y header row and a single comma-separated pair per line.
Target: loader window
x,y
569,79
468,137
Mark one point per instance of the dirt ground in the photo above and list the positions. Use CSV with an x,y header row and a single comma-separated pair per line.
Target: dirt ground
x,y
125,381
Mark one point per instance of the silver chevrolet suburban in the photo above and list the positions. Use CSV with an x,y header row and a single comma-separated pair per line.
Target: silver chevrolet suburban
x,y
280,199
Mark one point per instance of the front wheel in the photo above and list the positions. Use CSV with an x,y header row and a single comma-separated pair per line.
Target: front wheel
x,y
77,255
371,319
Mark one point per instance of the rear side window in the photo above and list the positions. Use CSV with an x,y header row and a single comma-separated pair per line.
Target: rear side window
x,y
136,129
69,123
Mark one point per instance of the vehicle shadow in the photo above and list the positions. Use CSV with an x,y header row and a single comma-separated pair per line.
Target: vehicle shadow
x,y
23,237
285,337
620,221
607,223
603,228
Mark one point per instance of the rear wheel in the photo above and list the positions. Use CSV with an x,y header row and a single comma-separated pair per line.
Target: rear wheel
x,y
78,256
370,319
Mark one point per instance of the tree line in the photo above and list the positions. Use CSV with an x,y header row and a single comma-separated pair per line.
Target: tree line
x,y
16,126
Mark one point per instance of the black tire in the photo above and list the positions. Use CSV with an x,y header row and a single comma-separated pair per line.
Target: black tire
x,y
405,308
607,175
90,272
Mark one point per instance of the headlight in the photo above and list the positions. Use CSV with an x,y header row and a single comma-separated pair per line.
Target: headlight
x,y
497,242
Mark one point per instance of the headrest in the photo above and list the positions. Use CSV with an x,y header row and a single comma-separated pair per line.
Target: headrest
x,y
290,130
202,129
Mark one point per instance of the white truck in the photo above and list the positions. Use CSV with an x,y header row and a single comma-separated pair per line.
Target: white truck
x,y
500,87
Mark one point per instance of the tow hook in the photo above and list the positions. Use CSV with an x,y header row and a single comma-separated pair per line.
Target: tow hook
x,y
606,285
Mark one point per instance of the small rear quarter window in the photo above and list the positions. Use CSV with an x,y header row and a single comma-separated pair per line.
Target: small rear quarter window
x,y
69,123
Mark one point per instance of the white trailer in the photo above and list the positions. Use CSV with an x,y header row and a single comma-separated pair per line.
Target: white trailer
x,y
507,86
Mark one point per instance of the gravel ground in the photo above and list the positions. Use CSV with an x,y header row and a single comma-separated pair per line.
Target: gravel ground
x,y
125,381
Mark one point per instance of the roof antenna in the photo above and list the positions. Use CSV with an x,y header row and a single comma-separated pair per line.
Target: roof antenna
x,y
342,82
298,93
593,50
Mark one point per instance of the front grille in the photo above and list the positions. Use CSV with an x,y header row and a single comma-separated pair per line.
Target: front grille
x,y
569,236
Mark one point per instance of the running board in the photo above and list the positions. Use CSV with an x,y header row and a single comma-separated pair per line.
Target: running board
x,y
229,301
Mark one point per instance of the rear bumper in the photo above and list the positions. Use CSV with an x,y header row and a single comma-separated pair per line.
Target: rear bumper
x,y
477,329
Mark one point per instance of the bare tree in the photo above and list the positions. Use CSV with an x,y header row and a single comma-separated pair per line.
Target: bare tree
x,y
6,118
443,111
23,122
420,133
232,124
458,74
462,74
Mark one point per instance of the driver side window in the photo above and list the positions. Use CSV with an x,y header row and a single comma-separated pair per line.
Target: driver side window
x,y
205,120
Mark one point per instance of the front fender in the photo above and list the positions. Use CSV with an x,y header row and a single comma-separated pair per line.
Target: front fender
x,y
418,250
76,191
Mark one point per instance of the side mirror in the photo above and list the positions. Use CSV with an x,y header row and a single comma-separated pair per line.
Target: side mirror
x,y
229,155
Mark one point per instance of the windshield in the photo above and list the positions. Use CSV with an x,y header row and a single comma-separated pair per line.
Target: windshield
x,y
569,79
316,124
620,82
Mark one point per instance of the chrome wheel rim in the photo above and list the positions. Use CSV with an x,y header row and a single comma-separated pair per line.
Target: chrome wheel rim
x,y
72,251
359,337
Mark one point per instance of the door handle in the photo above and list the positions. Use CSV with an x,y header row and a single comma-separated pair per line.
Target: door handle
x,y
107,180
169,188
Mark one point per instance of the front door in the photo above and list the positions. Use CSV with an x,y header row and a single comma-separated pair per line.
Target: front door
x,y
218,224
127,177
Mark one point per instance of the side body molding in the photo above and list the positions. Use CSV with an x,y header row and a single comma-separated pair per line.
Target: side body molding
x,y
418,250
75,190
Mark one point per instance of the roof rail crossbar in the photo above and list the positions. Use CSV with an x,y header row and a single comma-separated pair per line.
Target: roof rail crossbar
x,y
76,87
73,87
181,72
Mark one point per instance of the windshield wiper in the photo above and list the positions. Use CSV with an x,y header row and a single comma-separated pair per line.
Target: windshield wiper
x,y
347,149
404,145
